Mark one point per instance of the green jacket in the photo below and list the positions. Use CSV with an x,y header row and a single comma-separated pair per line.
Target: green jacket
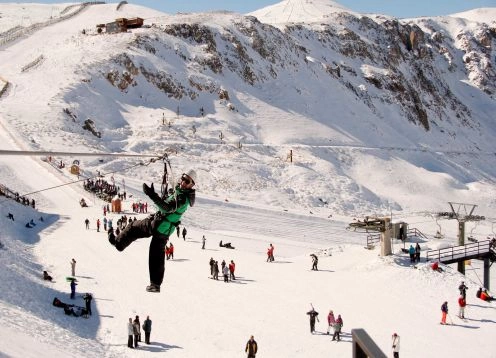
x,y
171,209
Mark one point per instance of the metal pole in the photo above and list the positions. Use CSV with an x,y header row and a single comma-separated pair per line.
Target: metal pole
x,y
461,242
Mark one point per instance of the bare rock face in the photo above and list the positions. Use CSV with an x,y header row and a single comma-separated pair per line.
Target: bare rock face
x,y
403,64
89,125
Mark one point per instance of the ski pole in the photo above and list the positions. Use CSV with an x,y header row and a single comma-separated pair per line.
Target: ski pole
x,y
451,321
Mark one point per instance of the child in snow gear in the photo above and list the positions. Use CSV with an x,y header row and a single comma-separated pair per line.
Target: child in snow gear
x,y
463,289
330,321
462,303
147,327
159,225
313,316
396,346
444,310
337,329
251,348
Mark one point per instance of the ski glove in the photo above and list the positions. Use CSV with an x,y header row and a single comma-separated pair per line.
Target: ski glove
x,y
150,192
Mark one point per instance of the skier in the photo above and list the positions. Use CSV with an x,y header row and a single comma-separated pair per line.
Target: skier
x,y
178,230
462,303
396,346
203,242
184,233
159,225
463,290
87,223
444,310
337,328
313,316
315,261
330,321
98,225
251,348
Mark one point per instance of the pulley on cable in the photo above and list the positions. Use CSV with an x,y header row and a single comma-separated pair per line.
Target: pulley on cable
x,y
164,189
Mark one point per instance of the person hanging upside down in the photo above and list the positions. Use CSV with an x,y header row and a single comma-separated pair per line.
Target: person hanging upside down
x,y
159,225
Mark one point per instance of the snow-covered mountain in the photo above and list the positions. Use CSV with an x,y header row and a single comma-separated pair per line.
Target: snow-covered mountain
x,y
329,84
299,118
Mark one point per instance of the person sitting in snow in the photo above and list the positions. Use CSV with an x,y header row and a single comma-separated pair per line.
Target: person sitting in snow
x,y
159,225
484,295
46,276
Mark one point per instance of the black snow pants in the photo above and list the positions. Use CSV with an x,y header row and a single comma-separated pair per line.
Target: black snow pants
x,y
156,256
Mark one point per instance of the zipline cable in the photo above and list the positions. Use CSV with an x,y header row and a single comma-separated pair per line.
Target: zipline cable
x,y
150,161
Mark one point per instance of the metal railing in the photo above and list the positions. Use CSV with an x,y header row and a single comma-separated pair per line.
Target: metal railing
x,y
364,346
458,253
416,232
373,239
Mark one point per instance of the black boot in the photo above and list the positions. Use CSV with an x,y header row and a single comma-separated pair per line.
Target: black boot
x,y
111,237
153,288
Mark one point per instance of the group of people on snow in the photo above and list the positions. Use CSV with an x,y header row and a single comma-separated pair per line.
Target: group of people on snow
x,y
333,323
227,270
134,331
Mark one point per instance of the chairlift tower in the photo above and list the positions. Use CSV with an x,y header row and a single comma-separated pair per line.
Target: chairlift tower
x,y
375,224
462,213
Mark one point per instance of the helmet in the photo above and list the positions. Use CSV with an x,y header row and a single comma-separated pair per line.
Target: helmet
x,y
192,174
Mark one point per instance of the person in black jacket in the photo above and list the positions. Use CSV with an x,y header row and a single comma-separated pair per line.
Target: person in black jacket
x,y
87,300
313,316
251,347
147,327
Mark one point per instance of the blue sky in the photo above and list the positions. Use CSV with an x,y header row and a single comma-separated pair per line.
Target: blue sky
x,y
398,8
